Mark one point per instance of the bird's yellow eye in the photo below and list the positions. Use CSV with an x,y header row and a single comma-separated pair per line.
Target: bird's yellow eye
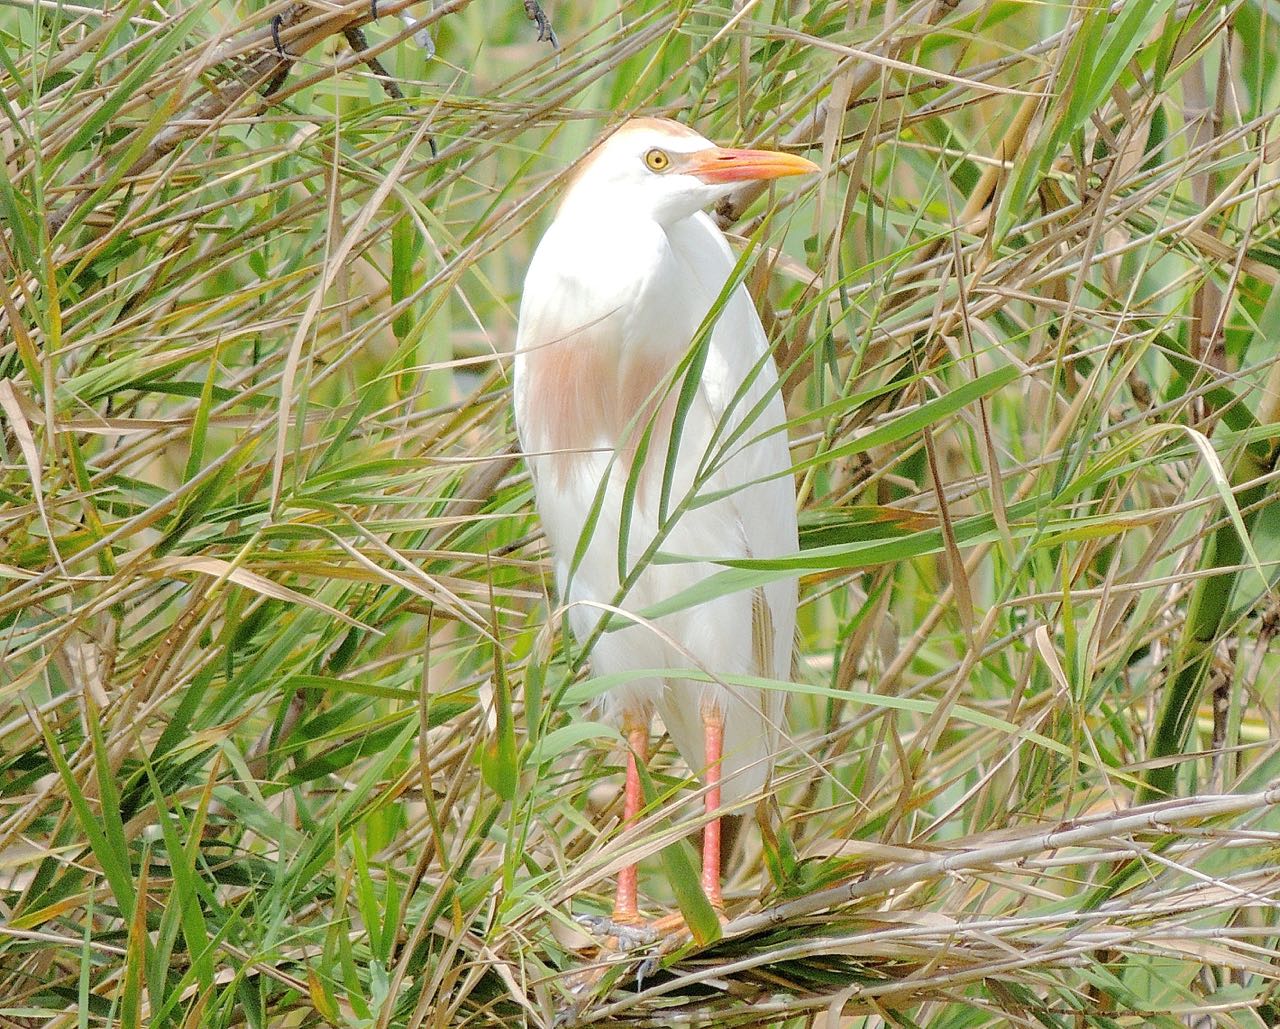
x,y
657,160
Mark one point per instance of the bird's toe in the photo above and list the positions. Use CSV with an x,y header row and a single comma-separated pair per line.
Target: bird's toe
x,y
646,968
628,934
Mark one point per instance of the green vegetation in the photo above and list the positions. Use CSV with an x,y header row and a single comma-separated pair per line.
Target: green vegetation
x,y
289,732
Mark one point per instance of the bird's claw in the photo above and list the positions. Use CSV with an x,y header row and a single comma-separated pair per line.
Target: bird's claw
x,y
373,9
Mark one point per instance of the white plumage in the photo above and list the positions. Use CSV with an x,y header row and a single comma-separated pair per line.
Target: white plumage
x,y
614,296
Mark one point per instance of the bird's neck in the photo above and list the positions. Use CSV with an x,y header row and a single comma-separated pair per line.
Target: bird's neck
x,y
608,315
593,214
607,267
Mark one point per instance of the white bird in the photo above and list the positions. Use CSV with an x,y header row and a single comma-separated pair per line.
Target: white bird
x,y
614,297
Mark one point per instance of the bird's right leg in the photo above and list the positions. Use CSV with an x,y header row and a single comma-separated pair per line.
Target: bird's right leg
x,y
626,924
625,906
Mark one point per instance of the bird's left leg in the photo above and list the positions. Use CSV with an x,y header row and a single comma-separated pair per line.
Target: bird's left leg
x,y
625,909
671,931
672,926
713,751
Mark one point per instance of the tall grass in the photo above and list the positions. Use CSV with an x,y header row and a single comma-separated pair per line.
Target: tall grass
x,y
289,734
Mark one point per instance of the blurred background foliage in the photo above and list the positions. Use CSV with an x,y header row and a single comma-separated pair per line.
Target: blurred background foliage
x,y
288,732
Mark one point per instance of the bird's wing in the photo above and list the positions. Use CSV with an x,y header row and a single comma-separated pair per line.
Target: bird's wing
x,y
580,376
593,341
739,406
740,392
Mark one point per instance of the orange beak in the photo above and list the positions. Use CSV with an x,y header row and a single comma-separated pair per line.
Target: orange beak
x,y
719,165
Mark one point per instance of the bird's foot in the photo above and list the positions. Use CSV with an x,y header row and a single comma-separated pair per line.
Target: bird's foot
x,y
671,933
628,934
620,938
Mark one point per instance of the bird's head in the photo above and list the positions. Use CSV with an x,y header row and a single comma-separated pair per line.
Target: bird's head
x,y
660,168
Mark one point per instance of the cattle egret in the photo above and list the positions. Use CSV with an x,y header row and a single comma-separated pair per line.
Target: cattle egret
x,y
614,297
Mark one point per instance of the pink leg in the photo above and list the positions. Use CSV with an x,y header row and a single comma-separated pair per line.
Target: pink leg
x,y
713,737
625,906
